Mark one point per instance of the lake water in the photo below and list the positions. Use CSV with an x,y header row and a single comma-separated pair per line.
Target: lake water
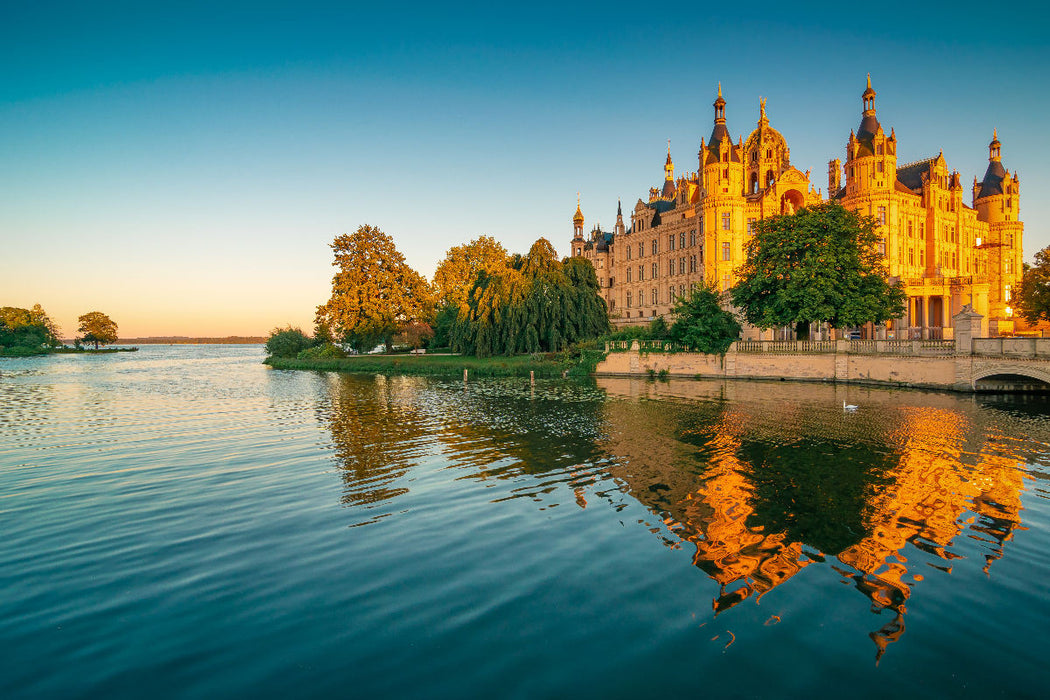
x,y
185,522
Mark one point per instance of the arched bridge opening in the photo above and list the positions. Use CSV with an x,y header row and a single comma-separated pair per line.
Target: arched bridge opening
x,y
1014,383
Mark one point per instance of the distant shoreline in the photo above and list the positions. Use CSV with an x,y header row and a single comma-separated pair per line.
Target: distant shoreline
x,y
184,340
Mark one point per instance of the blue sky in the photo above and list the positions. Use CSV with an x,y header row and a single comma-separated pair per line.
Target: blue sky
x,y
184,167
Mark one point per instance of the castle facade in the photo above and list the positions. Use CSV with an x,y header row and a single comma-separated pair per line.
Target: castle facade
x,y
695,228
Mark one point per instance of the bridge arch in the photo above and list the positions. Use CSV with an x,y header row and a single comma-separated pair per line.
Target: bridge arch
x,y
1011,377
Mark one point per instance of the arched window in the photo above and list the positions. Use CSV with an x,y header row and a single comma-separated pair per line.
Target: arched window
x,y
753,187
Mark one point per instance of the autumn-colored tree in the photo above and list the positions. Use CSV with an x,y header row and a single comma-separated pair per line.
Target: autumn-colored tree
x,y
97,328
375,294
819,264
455,275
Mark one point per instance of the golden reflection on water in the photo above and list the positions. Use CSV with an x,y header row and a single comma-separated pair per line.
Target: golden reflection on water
x,y
927,474
760,480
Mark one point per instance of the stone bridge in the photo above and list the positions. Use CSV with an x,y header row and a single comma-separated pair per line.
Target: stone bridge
x,y
963,364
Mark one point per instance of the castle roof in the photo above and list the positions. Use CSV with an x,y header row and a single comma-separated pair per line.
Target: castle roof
x,y
910,175
993,179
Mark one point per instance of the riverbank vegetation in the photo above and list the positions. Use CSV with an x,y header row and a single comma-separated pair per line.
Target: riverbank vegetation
x,y
27,332
513,313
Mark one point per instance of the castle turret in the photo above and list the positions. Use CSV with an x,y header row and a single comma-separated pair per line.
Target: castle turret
x,y
871,156
619,231
577,220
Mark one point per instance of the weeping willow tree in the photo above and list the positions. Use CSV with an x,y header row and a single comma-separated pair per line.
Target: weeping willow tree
x,y
535,303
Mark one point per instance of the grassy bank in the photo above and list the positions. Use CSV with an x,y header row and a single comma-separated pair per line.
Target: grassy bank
x,y
34,352
436,365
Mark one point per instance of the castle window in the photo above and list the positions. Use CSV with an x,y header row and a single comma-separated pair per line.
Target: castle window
x,y
670,241
670,294
910,229
1008,266
670,267
882,216
628,274
641,250
911,256
751,227
641,272
725,173
725,220
692,237
1007,293
692,263
628,304
655,297
882,246
681,265
725,250
628,252
878,151
656,248
1009,240
769,153
681,290
681,240
879,167
725,283
656,272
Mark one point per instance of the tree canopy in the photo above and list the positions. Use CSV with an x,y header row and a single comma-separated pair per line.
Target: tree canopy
x,y
375,294
26,331
819,264
535,303
702,324
1033,298
97,328
455,275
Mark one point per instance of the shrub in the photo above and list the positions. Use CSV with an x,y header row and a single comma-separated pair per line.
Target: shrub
x,y
327,351
287,342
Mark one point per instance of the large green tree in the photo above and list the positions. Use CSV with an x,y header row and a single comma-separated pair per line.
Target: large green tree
x,y
819,264
375,294
97,328
702,323
1033,298
535,303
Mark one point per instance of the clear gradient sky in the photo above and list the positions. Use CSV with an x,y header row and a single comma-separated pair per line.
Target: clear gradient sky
x,y
183,166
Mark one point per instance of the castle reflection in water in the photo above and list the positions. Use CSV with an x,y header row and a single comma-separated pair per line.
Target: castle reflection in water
x,y
760,479
777,493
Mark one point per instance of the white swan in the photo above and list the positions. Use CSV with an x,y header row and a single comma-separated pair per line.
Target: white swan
x,y
849,407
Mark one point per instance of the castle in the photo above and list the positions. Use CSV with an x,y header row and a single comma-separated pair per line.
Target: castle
x,y
695,228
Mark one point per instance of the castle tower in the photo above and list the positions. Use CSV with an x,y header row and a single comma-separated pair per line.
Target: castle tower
x,y
996,200
766,154
577,220
871,156
668,191
619,231
720,158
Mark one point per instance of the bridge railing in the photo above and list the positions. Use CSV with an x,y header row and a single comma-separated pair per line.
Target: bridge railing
x,y
1012,347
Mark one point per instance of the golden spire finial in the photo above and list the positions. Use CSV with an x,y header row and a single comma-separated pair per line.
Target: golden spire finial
x,y
762,107
668,148
869,81
719,88
995,134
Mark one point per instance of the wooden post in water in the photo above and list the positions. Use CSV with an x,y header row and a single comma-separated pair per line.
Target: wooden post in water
x,y
464,375
532,377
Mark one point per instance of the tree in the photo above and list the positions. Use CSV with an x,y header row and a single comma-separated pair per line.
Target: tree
x,y
455,275
702,324
536,303
1033,300
819,264
375,294
98,328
